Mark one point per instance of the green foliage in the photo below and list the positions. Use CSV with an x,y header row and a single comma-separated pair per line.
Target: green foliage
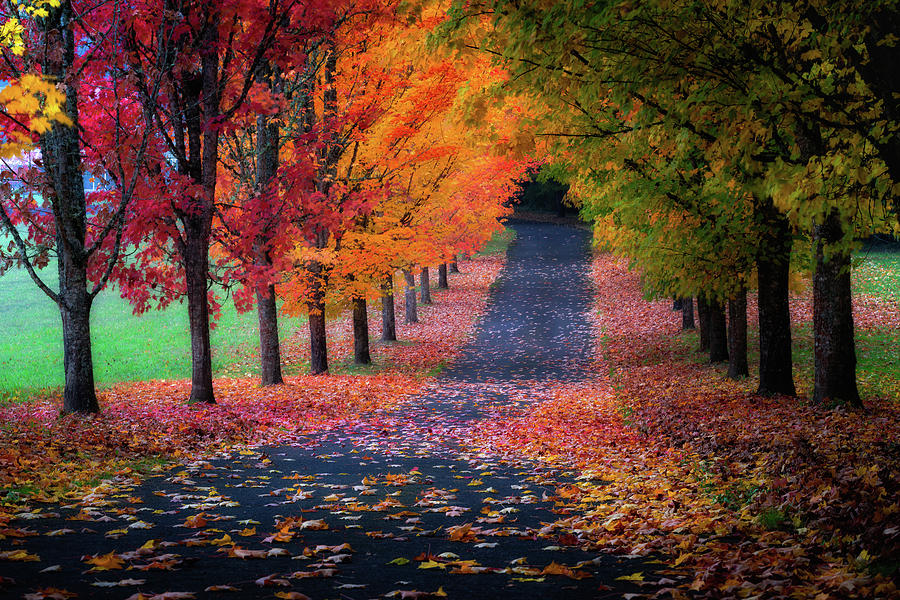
x,y
680,125
772,519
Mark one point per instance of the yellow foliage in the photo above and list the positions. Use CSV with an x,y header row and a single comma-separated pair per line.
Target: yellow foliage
x,y
34,101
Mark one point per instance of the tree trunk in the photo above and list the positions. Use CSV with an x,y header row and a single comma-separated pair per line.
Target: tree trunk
x,y
737,336
388,312
196,270
202,108
266,167
61,154
454,265
79,395
676,303
361,354
425,283
412,315
269,348
773,267
718,334
835,349
442,276
703,317
687,313
318,342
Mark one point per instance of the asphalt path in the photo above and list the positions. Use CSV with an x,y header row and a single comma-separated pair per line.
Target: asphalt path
x,y
397,505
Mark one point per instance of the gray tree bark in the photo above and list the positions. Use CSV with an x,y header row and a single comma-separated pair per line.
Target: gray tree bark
x,y
361,355
61,154
687,313
388,311
412,315
703,318
267,141
718,335
425,284
773,267
737,336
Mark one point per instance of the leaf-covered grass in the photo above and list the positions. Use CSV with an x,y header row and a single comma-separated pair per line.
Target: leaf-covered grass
x,y
877,272
764,474
744,496
126,347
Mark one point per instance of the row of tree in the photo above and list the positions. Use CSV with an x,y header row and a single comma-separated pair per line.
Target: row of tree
x,y
301,149
721,146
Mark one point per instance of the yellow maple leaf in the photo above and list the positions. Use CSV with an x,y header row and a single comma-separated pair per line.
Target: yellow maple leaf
x,y
222,541
20,556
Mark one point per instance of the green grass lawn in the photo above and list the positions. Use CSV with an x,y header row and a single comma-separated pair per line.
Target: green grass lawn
x,y
499,242
126,347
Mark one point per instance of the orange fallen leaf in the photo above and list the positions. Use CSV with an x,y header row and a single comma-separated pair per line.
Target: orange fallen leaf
x,y
196,521
105,562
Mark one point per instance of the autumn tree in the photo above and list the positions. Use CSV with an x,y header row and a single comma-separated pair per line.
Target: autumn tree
x,y
222,49
72,53
407,156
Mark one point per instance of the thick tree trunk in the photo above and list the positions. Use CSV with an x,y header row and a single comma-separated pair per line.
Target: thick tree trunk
x,y
687,313
773,267
318,342
266,167
79,395
361,354
454,265
196,271
703,317
835,349
718,334
425,284
737,336
202,106
442,276
388,311
412,315
269,347
61,154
